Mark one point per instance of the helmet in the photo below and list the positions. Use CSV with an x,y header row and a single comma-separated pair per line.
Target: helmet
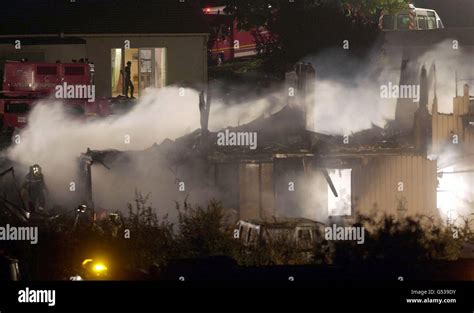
x,y
35,169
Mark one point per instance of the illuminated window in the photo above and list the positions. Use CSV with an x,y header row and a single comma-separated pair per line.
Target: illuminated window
x,y
117,83
148,69
342,204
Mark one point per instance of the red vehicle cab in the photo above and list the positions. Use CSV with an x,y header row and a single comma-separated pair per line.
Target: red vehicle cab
x,y
227,41
24,83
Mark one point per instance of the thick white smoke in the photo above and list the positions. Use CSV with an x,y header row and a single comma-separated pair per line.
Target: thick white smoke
x,y
347,90
54,139
347,99
449,62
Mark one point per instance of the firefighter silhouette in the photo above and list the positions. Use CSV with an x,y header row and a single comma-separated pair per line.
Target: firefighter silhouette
x,y
128,80
34,189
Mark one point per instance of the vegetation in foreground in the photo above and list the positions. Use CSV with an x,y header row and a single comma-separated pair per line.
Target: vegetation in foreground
x,y
143,239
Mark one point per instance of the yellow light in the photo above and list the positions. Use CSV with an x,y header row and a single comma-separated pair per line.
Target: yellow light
x,y
95,267
99,268
86,261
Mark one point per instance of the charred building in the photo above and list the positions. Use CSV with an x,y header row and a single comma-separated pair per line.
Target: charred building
x,y
292,171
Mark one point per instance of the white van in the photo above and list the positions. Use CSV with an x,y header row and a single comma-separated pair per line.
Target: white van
x,y
301,232
411,19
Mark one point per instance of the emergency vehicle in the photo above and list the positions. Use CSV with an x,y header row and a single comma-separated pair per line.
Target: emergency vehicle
x,y
227,40
24,83
412,18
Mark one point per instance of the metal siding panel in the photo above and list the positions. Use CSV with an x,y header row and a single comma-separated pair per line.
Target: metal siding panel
x,y
249,191
400,176
466,105
461,129
372,181
428,186
453,125
378,190
455,106
414,180
416,194
365,189
411,196
447,129
355,189
442,130
406,182
384,185
420,184
424,184
434,185
431,169
377,180
393,183
268,206
358,179
427,177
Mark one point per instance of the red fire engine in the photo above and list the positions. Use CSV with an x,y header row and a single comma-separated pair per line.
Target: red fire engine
x,y
24,83
227,41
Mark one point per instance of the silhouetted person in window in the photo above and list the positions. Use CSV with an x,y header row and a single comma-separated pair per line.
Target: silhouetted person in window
x,y
128,80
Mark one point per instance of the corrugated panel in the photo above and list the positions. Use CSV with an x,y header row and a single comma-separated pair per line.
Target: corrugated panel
x,y
376,184
249,191
434,129
433,186
465,106
403,178
266,179
417,174
371,183
469,139
417,181
382,199
392,185
443,126
411,187
456,106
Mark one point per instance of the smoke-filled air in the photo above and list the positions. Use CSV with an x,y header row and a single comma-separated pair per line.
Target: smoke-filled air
x,y
346,99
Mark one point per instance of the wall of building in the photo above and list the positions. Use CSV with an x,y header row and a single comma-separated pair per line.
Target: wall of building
x,y
284,188
225,179
256,191
186,58
446,126
376,185
397,185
